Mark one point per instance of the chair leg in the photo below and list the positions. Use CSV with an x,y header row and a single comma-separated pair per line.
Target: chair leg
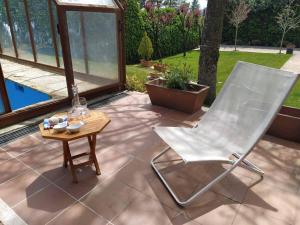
x,y
249,165
186,202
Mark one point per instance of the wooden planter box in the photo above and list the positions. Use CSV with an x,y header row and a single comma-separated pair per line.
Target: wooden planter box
x,y
146,63
186,101
287,124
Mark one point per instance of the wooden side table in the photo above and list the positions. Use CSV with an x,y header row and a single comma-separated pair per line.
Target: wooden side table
x,y
94,124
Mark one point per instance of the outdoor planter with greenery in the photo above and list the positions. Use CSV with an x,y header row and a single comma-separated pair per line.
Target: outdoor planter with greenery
x,y
146,50
176,91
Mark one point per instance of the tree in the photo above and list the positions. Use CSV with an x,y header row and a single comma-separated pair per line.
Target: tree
x,y
195,5
210,45
170,3
145,49
199,22
158,18
287,19
188,18
238,15
133,25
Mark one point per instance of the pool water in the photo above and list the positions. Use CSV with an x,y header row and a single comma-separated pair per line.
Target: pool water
x,y
20,95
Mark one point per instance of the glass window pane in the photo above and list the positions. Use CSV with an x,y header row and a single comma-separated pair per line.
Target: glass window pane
x,y
75,38
55,18
102,46
91,2
94,50
40,21
5,34
20,28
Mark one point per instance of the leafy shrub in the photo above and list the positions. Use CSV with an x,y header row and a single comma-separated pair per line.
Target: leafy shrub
x,y
179,78
134,29
145,49
135,83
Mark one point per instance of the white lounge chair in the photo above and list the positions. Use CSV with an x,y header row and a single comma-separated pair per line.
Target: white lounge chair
x,y
238,118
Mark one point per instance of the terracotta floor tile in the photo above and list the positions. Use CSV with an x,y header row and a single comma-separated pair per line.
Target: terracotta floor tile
x,y
4,156
21,187
249,216
187,179
53,169
43,206
78,215
146,211
129,191
87,181
130,112
111,160
135,174
110,198
39,157
22,145
10,169
276,154
143,146
210,209
120,130
48,142
268,200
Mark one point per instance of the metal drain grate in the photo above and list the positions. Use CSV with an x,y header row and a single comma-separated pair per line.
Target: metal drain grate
x,y
17,133
12,135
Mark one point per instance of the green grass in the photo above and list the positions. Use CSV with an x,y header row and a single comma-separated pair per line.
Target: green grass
x,y
136,75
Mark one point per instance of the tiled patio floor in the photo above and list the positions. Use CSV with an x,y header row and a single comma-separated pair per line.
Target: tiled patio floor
x,y
40,191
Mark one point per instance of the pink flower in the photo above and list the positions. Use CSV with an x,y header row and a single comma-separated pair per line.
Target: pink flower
x,y
148,6
197,12
184,8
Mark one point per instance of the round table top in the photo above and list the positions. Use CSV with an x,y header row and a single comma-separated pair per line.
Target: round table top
x,y
93,124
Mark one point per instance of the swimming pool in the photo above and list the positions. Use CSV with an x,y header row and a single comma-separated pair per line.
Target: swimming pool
x,y
20,95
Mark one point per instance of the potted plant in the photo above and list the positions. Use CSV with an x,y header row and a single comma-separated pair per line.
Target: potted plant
x,y
286,124
160,66
290,48
145,50
176,91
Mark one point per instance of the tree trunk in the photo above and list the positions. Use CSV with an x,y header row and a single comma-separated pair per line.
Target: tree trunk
x,y
184,43
281,42
211,38
235,38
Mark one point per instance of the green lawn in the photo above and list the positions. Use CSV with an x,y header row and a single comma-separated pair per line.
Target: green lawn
x,y
136,75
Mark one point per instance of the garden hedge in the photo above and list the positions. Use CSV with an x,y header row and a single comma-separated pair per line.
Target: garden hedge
x,y
134,30
171,38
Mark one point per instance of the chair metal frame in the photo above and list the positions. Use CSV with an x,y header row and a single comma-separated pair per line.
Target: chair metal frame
x,y
240,160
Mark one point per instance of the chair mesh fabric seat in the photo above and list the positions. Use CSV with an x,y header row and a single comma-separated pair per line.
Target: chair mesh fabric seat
x,y
240,115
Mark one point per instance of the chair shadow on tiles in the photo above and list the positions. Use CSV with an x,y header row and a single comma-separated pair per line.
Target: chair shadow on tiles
x,y
187,179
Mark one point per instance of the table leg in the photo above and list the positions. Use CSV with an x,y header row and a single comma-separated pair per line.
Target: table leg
x,y
69,157
65,157
92,142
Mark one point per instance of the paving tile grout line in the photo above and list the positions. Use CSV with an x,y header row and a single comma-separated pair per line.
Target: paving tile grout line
x,y
57,186
52,183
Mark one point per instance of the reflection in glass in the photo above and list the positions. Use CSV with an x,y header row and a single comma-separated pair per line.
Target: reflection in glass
x,y
94,50
5,34
39,17
75,36
102,46
20,28
55,18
